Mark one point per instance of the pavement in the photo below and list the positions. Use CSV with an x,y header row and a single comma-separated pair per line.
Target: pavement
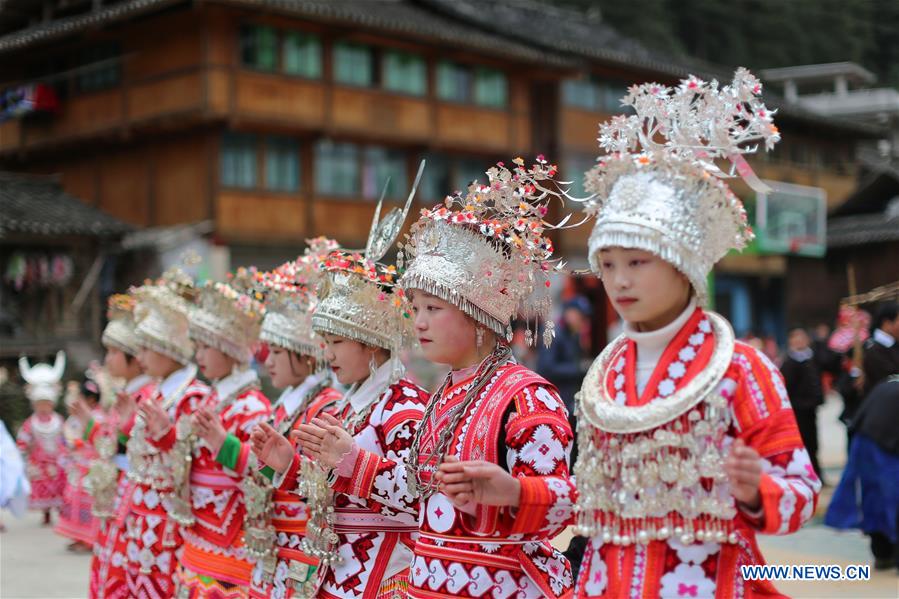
x,y
34,562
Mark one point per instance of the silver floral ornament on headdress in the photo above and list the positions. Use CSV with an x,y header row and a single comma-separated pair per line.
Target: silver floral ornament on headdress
x,y
486,251
658,188
290,298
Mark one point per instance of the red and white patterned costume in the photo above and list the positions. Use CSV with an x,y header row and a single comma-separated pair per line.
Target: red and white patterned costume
x,y
76,518
290,566
107,575
41,441
214,561
756,409
153,540
375,516
517,420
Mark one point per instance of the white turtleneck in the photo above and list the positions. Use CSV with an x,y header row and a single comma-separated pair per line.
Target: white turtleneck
x,y
651,344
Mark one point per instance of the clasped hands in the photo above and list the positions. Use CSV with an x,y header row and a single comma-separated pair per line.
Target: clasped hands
x,y
323,439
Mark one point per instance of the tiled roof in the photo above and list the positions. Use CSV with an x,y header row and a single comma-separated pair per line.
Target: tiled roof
x,y
37,205
397,16
862,229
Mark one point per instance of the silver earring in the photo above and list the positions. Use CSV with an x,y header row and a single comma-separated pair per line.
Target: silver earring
x,y
372,366
479,336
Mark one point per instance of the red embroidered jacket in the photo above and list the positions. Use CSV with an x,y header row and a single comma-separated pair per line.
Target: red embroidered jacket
x,y
153,540
519,422
760,415
289,511
214,543
375,516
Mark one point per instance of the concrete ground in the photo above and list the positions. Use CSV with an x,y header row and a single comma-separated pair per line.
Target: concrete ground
x,y
34,562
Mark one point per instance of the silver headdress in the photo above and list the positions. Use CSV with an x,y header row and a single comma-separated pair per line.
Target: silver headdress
x,y
290,299
161,315
657,187
119,332
42,380
486,252
358,298
228,316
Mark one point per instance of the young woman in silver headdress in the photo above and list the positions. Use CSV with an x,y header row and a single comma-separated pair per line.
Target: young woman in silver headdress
x,y
688,446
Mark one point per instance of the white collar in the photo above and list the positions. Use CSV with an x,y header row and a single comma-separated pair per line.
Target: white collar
x,y
655,342
234,382
135,384
292,397
177,380
884,338
361,396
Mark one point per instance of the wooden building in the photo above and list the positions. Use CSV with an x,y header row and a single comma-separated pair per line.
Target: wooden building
x,y
281,120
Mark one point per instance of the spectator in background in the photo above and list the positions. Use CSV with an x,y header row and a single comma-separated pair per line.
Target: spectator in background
x,y
881,350
829,362
565,362
867,497
803,380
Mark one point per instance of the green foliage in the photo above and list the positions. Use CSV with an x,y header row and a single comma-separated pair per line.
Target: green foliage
x,y
763,33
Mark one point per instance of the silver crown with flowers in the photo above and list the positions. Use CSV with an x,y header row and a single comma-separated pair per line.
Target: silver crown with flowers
x,y
161,315
485,252
358,298
658,188
120,330
227,316
43,380
290,299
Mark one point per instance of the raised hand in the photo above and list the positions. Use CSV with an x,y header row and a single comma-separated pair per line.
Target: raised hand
x,y
744,473
477,482
124,406
208,426
80,410
271,447
324,440
158,423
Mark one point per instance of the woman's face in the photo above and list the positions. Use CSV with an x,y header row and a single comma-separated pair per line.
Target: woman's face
x,y
446,334
116,362
156,364
286,368
348,359
646,291
213,363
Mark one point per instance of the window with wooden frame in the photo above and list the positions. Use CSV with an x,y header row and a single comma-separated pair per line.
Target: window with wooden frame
x,y
282,164
354,64
99,67
266,49
404,72
238,160
337,166
478,85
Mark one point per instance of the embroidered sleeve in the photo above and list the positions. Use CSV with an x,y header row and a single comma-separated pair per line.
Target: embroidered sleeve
x,y
240,420
764,419
539,441
382,478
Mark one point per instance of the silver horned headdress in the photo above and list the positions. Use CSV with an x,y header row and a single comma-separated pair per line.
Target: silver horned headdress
x,y
358,298
290,298
657,186
43,380
485,252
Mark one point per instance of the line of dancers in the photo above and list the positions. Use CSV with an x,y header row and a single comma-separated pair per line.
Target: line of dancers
x,y
358,483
